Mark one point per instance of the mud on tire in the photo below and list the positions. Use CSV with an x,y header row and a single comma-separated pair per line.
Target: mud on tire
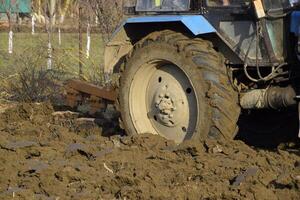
x,y
217,108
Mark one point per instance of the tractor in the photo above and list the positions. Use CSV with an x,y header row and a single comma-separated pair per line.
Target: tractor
x,y
188,67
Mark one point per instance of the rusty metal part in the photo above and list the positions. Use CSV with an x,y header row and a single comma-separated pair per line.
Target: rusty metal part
x,y
73,97
273,98
83,93
107,93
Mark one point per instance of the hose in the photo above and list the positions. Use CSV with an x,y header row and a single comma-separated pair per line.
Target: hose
x,y
277,16
272,75
277,13
256,51
275,71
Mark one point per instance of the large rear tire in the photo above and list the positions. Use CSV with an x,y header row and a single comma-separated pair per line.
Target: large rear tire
x,y
177,87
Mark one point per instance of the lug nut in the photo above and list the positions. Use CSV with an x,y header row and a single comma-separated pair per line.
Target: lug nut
x,y
161,95
171,116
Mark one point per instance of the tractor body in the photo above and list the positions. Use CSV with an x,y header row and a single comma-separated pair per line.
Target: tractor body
x,y
254,42
232,27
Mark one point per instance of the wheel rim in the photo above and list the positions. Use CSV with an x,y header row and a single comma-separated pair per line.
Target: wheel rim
x,y
162,101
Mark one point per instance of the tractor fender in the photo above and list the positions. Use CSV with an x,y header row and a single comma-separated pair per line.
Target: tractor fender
x,y
295,22
124,37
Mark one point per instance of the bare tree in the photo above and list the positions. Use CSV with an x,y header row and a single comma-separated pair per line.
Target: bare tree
x,y
109,15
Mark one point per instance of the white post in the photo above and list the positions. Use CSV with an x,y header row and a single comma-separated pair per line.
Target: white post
x,y
59,36
10,42
96,20
49,60
33,19
88,43
51,6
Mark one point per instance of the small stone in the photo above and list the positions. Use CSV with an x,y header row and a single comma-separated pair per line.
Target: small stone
x,y
75,147
284,179
81,149
37,166
242,177
20,145
103,152
116,143
199,166
32,153
217,149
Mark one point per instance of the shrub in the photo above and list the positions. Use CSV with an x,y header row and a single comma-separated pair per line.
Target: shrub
x,y
32,81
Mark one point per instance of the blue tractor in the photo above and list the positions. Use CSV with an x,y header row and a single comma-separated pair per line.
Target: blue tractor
x,y
188,67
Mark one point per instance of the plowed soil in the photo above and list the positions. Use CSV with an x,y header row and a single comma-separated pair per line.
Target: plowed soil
x,y
58,155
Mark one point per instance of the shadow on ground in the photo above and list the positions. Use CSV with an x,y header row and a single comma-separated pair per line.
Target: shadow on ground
x,y
269,129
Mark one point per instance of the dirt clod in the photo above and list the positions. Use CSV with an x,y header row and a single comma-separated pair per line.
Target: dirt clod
x,y
242,177
48,155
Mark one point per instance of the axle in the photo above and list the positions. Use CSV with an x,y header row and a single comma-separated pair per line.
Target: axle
x,y
272,98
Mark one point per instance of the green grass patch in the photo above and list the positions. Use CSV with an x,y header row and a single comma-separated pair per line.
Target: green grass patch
x,y
65,56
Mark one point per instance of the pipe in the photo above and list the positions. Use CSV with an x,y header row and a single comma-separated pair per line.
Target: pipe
x,y
273,98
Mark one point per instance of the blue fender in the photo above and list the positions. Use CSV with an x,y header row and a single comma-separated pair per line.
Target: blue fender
x,y
197,24
120,43
295,23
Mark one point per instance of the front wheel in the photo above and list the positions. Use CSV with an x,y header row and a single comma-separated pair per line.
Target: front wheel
x,y
166,90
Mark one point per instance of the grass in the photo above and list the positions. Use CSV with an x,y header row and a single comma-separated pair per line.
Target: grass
x,y
65,56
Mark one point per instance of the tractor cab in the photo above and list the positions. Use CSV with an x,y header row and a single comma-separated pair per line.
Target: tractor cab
x,y
184,5
255,34
163,5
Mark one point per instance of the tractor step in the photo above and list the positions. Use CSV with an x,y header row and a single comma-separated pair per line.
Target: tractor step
x,y
92,97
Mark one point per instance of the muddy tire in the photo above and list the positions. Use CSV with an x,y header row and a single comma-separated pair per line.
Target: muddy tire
x,y
177,87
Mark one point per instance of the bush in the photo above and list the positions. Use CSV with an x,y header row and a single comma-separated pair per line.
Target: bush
x,y
32,81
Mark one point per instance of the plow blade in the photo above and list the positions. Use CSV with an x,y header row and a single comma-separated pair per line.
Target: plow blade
x,y
95,98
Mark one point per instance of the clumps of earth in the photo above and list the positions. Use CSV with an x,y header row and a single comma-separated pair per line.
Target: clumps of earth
x,y
49,155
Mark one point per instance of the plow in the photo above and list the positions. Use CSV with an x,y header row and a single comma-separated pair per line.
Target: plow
x,y
95,97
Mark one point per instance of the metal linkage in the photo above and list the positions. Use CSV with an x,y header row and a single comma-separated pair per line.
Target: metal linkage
x,y
273,98
80,92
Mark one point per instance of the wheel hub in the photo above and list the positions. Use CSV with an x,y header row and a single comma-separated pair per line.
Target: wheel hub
x,y
165,103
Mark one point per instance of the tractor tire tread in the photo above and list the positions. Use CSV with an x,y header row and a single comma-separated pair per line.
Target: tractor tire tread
x,y
221,96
